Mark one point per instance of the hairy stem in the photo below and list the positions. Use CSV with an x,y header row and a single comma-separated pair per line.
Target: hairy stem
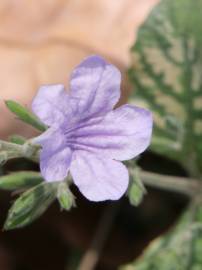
x,y
187,186
10,150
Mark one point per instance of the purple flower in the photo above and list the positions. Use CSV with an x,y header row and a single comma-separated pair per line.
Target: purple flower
x,y
86,136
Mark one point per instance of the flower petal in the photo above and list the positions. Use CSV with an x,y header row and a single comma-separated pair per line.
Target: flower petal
x,y
121,135
55,166
47,136
99,179
96,85
55,156
52,104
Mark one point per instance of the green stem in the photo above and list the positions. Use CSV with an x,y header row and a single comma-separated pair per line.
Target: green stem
x,y
12,150
9,146
187,186
189,144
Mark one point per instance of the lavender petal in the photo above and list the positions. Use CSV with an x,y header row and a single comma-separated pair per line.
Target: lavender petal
x,y
96,85
121,135
52,105
99,179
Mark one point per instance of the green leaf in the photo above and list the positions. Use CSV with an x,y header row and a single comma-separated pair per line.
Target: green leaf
x,y
20,180
65,196
30,205
25,115
167,76
179,249
136,190
17,139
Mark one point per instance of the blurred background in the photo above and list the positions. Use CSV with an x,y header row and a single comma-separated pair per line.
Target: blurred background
x,y
40,43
